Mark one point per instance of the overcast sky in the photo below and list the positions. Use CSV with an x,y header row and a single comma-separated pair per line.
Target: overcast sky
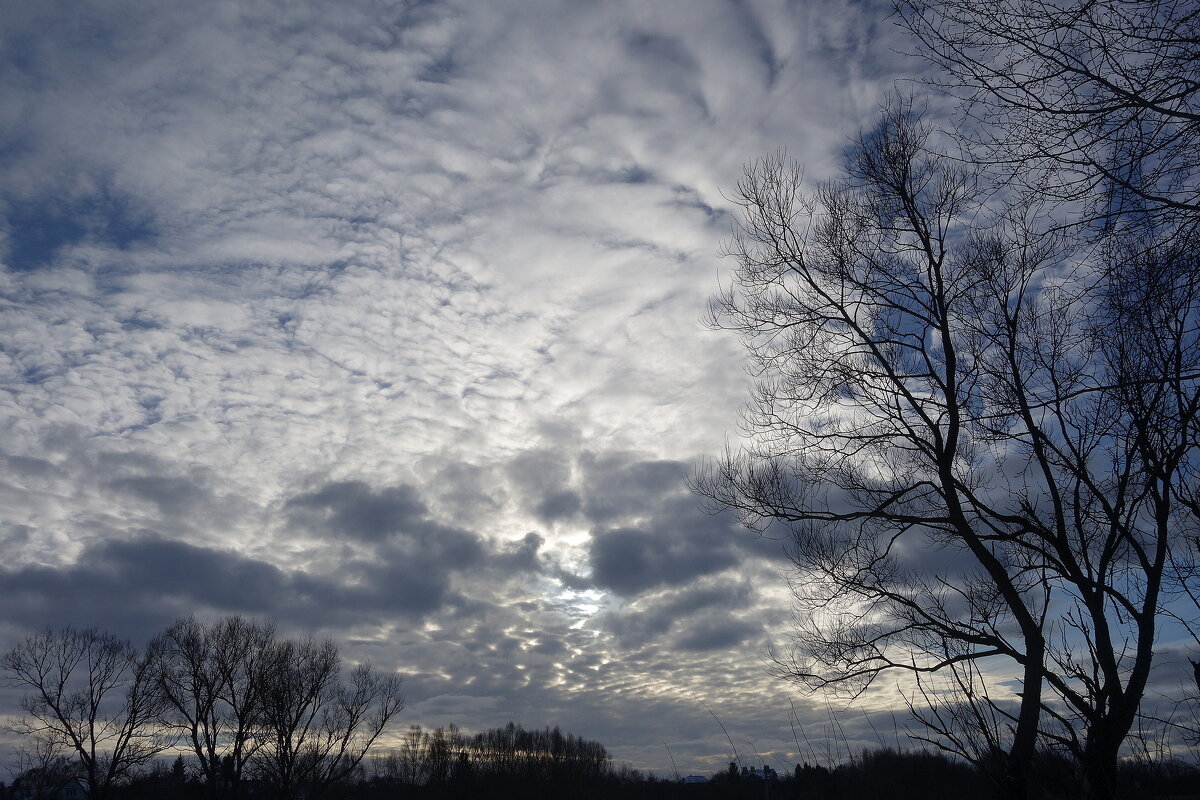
x,y
381,319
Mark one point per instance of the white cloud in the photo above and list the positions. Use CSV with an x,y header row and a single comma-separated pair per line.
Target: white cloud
x,y
259,248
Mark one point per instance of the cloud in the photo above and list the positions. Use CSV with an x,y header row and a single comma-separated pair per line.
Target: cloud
x,y
559,505
545,480
619,487
522,556
155,579
383,321
143,583
696,613
352,508
629,560
651,531
716,634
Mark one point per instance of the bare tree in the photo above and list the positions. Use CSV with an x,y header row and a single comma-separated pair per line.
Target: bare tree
x,y
211,680
851,304
412,756
1126,449
95,694
1094,105
189,685
318,729
976,436
439,749
243,654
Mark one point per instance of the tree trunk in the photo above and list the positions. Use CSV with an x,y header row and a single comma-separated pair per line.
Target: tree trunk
x,y
1100,755
1024,747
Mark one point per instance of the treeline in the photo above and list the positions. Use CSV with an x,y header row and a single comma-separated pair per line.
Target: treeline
x,y
913,775
502,762
248,705
512,763
508,756
506,762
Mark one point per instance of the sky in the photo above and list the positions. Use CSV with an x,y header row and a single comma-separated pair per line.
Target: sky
x,y
382,320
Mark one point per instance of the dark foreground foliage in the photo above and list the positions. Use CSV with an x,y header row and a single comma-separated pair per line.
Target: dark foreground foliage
x,y
547,765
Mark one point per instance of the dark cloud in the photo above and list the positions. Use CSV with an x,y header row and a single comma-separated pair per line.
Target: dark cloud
x,y
163,568
715,634
521,556
26,466
139,583
405,564
354,509
415,577
405,586
631,560
434,544
650,529
635,628
410,558
726,595
466,491
558,506
153,579
548,646
544,478
618,485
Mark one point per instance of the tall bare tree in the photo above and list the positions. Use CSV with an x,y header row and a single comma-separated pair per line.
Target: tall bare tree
x,y
189,685
93,692
852,303
976,436
1094,106
211,679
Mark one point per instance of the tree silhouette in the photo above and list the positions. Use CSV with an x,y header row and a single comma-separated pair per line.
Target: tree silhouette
x,y
979,438
211,679
93,693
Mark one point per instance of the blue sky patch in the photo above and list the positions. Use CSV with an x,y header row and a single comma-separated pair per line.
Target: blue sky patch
x,y
38,230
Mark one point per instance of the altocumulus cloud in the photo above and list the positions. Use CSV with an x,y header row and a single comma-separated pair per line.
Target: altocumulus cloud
x,y
381,320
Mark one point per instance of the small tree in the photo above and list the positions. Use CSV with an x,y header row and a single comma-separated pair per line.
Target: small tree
x,y
317,729
40,766
93,693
